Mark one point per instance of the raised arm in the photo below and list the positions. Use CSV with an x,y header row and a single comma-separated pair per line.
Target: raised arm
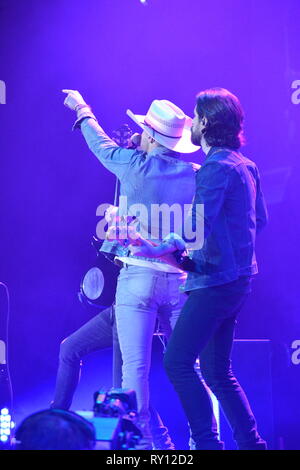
x,y
116,159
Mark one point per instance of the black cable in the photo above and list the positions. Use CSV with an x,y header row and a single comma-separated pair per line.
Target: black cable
x,y
6,332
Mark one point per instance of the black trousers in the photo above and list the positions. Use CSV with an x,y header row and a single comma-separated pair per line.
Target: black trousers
x,y
205,328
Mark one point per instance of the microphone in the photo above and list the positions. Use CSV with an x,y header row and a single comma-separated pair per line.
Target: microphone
x,y
134,141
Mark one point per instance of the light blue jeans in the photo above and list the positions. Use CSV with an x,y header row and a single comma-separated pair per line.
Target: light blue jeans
x,y
143,296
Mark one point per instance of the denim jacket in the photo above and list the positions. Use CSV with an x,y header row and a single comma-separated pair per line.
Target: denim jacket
x,y
159,177
228,184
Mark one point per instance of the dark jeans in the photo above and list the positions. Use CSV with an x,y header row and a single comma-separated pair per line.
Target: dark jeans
x,y
98,333
205,328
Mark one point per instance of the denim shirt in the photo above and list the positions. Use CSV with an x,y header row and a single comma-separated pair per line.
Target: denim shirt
x,y
158,177
228,185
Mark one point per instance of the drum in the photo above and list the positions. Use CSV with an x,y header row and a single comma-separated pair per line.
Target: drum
x,y
98,284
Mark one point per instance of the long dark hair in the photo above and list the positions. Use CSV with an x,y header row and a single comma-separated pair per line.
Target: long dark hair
x,y
224,115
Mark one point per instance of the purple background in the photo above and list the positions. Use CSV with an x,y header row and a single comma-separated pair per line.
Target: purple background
x,y
120,54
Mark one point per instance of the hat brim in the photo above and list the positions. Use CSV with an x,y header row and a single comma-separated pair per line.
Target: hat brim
x,y
181,144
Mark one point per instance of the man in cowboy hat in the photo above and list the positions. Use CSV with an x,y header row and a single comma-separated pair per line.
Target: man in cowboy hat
x,y
151,175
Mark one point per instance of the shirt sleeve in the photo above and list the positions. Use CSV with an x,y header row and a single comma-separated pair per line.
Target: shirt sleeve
x,y
211,185
116,159
260,206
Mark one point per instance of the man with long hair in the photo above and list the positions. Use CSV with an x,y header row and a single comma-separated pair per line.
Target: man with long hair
x,y
228,185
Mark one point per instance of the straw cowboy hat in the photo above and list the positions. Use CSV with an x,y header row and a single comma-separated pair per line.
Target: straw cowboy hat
x,y
168,125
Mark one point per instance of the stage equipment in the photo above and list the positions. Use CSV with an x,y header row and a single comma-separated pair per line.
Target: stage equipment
x,y
115,402
6,426
114,418
6,423
92,285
